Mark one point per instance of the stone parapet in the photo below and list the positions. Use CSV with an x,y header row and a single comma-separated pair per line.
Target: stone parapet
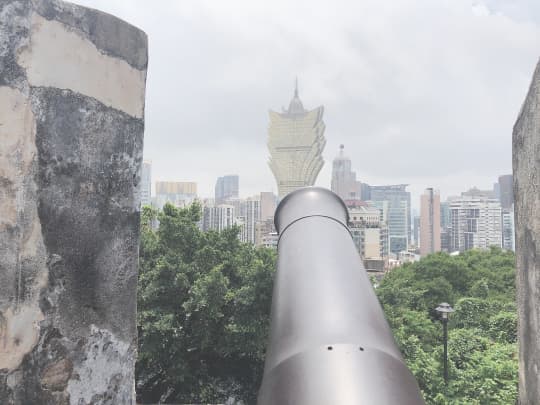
x,y
526,164
72,88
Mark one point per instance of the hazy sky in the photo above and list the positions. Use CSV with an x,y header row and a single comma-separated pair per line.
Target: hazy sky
x,y
423,92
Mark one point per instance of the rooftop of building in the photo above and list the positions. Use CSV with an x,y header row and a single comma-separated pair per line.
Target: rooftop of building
x,y
296,106
393,187
341,154
355,203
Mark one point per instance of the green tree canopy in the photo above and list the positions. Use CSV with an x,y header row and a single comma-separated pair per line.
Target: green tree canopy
x,y
203,310
482,332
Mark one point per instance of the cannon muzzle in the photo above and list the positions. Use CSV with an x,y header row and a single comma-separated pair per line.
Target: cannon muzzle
x,y
330,343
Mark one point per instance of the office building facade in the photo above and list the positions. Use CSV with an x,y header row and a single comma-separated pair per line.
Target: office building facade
x,y
506,191
398,214
177,193
250,215
445,226
508,232
430,222
218,218
227,187
416,230
146,183
370,235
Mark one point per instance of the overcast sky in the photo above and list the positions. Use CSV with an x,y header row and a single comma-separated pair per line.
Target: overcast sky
x,y
423,92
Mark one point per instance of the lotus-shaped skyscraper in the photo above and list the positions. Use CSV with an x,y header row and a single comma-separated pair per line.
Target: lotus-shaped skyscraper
x,y
295,142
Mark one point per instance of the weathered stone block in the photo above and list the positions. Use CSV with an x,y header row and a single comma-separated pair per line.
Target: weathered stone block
x,y
72,83
526,164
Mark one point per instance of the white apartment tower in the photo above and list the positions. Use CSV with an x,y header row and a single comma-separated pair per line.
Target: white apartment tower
x,y
295,142
250,214
476,223
218,218
146,183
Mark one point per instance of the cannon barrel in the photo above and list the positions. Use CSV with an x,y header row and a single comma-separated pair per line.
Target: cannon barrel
x,y
329,340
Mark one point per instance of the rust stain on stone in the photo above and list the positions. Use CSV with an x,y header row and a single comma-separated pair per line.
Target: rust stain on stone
x,y
56,375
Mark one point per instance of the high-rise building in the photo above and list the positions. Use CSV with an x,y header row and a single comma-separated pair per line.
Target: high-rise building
x,y
445,226
476,223
264,232
445,240
398,213
430,222
295,142
178,193
508,233
237,203
476,193
146,183
268,205
227,187
250,214
369,234
218,218
176,187
344,181
496,191
445,215
365,191
416,230
270,240
382,206
506,191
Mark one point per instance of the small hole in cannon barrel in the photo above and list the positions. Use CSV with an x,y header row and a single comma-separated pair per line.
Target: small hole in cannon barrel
x,y
329,347
361,348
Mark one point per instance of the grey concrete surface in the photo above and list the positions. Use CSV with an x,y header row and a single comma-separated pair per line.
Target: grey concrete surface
x,y
526,166
72,85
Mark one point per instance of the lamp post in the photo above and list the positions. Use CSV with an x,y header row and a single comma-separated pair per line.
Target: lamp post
x,y
444,309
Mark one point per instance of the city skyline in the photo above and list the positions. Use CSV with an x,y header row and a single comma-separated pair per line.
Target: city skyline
x,y
415,197
381,223
403,100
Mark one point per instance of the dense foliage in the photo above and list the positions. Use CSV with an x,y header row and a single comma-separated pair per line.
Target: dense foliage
x,y
204,303
203,311
482,332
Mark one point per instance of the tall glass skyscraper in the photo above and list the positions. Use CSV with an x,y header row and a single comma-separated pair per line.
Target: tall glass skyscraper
x,y
295,142
398,216
227,187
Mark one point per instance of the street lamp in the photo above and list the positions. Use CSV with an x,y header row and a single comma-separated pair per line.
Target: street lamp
x,y
445,310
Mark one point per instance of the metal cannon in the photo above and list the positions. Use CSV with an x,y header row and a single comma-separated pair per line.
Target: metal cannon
x,y
329,340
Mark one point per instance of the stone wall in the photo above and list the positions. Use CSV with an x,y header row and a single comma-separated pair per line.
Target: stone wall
x,y
72,83
526,163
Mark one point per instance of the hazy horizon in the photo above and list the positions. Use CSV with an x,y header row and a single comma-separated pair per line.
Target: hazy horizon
x,y
422,92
